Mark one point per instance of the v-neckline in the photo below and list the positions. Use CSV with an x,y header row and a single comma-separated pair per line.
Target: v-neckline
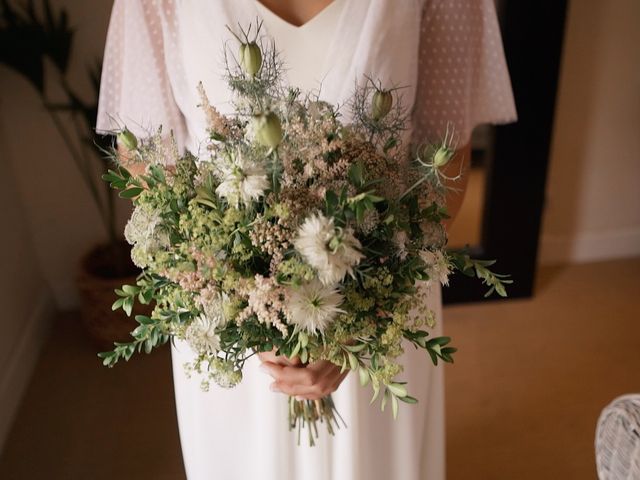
x,y
312,20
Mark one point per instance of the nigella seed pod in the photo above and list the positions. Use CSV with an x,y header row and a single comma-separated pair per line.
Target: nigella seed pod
x,y
250,58
268,129
442,156
127,139
381,104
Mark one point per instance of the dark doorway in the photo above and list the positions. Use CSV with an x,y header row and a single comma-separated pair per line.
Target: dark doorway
x,y
514,157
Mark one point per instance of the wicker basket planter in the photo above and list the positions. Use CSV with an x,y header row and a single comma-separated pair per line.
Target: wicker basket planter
x,y
618,439
101,271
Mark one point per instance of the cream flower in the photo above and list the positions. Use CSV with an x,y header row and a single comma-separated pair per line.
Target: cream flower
x,y
438,267
201,335
142,225
243,181
313,306
224,373
332,251
144,231
213,304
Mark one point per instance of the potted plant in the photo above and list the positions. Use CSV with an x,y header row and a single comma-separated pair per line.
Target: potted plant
x,y
47,36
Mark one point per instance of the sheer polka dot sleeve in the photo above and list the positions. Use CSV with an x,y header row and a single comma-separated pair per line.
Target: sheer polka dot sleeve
x,y
135,89
463,79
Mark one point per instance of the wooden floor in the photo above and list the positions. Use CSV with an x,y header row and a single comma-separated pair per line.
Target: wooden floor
x,y
523,398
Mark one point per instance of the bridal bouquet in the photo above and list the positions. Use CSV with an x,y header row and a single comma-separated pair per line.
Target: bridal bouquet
x,y
294,233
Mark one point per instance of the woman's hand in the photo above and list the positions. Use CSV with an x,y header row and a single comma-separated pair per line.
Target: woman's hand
x,y
305,382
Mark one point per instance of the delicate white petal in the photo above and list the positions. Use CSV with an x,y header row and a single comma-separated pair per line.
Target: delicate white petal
x,y
213,304
313,306
243,181
201,335
438,267
331,251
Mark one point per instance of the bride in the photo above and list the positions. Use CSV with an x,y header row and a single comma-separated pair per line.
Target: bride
x,y
447,54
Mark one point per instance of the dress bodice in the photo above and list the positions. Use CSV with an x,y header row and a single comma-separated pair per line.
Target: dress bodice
x,y
446,54
305,57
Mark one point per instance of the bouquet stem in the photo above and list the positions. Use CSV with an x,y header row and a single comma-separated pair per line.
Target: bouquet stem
x,y
307,413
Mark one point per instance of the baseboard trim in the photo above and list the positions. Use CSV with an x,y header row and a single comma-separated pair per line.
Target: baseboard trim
x,y
16,373
589,247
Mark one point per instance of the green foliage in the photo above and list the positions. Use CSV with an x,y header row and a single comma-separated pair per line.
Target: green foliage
x,y
148,335
478,268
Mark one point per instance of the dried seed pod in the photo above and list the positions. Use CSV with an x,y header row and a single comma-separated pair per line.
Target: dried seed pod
x,y
381,104
127,139
250,58
268,129
442,156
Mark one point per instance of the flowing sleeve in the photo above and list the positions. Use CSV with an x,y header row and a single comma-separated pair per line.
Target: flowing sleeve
x,y
463,79
135,88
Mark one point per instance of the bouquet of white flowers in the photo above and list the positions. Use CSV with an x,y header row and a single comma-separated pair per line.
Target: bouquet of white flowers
x,y
295,233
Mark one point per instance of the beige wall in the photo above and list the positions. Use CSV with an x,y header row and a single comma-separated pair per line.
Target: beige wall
x,y
26,302
46,216
57,205
593,201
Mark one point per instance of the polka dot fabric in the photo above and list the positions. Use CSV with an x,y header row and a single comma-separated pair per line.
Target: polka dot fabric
x,y
463,79
136,90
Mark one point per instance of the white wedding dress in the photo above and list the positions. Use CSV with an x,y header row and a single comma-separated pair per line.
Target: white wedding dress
x,y
447,54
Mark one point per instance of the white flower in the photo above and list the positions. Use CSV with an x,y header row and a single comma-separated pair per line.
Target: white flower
x,y
313,306
243,181
213,304
142,225
224,373
201,335
145,232
437,265
332,251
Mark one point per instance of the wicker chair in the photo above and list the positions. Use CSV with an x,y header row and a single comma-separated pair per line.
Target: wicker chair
x,y
618,440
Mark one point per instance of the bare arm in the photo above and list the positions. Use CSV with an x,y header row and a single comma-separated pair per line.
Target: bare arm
x,y
124,157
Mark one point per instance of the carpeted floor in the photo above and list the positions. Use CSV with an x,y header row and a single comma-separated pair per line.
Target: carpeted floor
x,y
523,398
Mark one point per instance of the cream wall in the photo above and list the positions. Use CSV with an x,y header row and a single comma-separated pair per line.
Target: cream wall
x,y
27,305
63,221
46,216
593,194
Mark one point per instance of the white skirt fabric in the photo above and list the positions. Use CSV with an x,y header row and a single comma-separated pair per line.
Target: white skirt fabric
x,y
243,432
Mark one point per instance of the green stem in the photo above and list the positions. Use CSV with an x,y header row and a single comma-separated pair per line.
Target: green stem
x,y
275,164
307,413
